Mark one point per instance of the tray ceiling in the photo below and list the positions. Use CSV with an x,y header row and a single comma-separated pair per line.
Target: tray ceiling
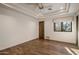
x,y
45,9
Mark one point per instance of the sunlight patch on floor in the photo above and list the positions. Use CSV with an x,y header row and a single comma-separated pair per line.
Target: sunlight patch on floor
x,y
75,50
69,50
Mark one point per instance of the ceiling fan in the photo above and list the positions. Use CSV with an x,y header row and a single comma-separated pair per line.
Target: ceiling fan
x,y
40,6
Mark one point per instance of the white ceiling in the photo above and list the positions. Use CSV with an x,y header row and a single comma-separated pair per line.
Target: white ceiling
x,y
57,9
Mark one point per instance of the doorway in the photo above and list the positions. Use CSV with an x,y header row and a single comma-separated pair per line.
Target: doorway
x,y
41,30
76,30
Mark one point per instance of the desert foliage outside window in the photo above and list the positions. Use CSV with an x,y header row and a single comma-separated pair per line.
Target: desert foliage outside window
x,y
63,26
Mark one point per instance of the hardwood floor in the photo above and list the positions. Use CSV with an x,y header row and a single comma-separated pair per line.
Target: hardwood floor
x,y
40,47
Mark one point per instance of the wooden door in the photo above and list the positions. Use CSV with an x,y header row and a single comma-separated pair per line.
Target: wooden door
x,y
41,30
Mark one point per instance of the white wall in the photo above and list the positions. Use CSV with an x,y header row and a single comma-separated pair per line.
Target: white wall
x,y
16,28
60,36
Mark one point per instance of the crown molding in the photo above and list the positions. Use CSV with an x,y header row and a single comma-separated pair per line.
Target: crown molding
x,y
18,8
61,11
36,15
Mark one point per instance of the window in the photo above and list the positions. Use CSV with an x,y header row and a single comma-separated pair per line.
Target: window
x,y
57,26
63,26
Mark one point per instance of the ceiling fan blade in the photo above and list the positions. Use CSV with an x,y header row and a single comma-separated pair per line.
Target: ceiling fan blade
x,y
40,6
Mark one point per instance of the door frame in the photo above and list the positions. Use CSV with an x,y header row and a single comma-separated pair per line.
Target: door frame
x,y
77,30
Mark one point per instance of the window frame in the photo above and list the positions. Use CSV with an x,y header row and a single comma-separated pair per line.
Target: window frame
x,y
62,27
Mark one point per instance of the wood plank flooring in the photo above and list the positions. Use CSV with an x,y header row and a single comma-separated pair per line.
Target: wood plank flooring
x,y
40,47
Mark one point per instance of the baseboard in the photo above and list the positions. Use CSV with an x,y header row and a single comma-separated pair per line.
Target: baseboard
x,y
16,44
61,41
